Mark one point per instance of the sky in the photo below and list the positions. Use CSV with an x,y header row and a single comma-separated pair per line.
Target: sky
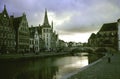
x,y
74,20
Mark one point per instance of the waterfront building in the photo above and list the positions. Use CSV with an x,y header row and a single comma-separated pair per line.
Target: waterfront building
x,y
22,34
43,37
36,42
50,38
15,34
34,39
7,32
106,37
46,32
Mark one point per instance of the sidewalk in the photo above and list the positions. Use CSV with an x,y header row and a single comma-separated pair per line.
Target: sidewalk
x,y
102,70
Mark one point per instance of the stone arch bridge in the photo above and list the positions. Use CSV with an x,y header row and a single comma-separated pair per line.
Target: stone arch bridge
x,y
92,49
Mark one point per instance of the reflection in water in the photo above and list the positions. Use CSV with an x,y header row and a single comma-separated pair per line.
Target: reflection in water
x,y
68,64
42,68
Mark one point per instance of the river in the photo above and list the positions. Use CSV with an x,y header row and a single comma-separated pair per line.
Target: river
x,y
42,68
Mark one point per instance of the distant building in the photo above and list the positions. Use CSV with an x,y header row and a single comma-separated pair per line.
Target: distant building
x,y
107,36
62,44
7,32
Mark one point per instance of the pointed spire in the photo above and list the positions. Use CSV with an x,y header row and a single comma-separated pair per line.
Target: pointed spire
x,y
4,7
46,22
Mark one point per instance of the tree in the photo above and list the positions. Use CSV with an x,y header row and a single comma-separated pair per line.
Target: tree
x,y
70,44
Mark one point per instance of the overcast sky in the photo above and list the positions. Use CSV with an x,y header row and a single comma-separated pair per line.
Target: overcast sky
x,y
74,20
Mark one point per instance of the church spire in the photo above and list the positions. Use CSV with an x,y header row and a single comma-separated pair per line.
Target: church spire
x,y
4,7
46,22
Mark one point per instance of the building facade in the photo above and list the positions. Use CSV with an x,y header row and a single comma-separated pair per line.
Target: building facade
x,y
107,36
22,34
36,42
43,37
7,32
34,39
15,34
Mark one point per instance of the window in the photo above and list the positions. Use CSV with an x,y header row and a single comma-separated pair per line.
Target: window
x,y
43,30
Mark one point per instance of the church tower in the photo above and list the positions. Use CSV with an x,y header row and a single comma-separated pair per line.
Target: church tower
x,y
47,32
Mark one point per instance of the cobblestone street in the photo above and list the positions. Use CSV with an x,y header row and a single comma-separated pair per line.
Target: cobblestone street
x,y
102,70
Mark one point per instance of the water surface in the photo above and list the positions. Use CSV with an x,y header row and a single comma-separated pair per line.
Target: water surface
x,y
42,68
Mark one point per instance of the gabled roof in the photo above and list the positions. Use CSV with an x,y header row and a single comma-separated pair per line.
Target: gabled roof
x,y
17,21
109,27
93,35
33,29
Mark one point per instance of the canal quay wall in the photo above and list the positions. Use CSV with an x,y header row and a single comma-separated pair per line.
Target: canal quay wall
x,y
100,69
30,56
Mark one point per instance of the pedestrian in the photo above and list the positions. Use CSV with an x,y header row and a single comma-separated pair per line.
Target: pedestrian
x,y
109,59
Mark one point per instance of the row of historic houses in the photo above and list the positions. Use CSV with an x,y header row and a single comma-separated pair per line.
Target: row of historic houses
x,y
107,36
17,36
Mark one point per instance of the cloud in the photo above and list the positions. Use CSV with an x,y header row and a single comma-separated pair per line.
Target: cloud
x,y
92,18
